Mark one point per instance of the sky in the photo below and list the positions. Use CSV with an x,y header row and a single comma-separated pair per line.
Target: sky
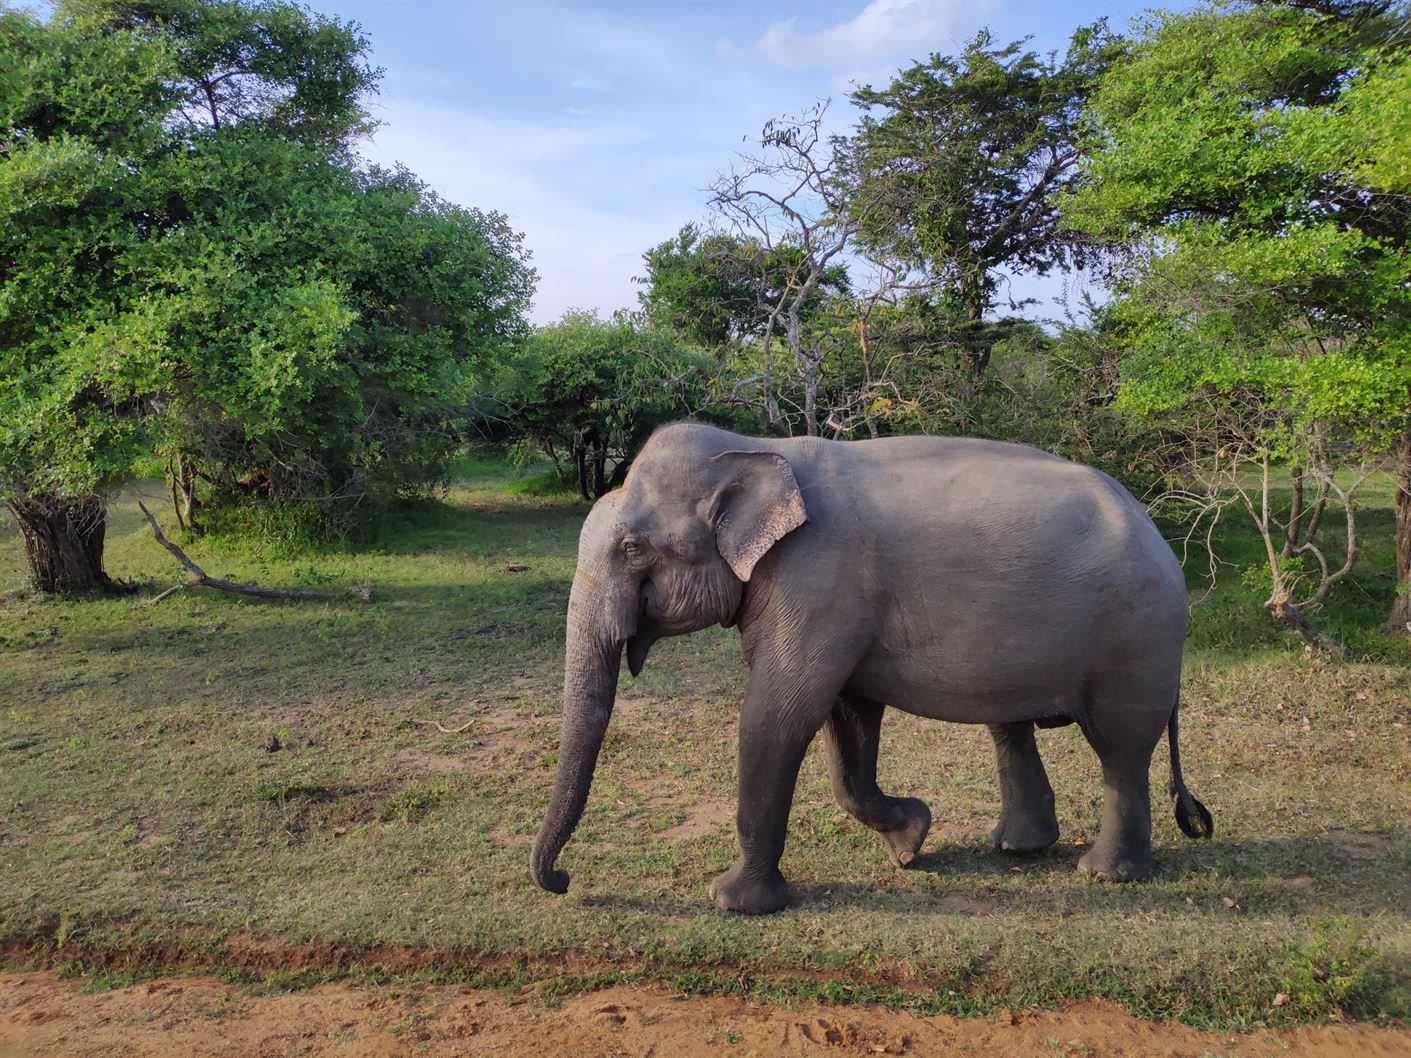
x,y
596,127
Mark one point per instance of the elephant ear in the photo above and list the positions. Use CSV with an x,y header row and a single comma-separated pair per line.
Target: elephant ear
x,y
756,505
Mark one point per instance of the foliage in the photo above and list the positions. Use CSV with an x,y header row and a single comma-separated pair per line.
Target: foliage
x,y
265,64
191,262
588,391
700,284
1264,305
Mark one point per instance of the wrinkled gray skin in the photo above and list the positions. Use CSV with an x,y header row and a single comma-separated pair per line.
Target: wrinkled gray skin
x,y
964,580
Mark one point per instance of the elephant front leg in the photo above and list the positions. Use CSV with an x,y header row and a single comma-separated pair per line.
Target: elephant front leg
x,y
853,733
775,731
1027,821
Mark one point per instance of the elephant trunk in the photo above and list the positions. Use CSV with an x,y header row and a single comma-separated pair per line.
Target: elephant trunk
x,y
591,665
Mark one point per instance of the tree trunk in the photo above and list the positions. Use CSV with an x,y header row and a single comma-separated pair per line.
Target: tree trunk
x,y
1399,619
600,477
1291,540
580,467
183,494
63,541
810,405
866,374
977,343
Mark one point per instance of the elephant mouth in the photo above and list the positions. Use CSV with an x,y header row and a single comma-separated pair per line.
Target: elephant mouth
x,y
637,648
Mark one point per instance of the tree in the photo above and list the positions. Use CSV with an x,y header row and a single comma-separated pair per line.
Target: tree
x,y
587,393
221,284
1377,131
793,211
263,64
73,105
960,161
700,284
1265,299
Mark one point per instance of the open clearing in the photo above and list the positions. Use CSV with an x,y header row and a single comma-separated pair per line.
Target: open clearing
x,y
180,777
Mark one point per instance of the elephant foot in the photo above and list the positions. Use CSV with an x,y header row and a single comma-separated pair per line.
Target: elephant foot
x,y
750,894
1116,865
904,841
1026,832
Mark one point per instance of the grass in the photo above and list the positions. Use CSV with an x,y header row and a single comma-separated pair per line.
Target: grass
x,y
145,821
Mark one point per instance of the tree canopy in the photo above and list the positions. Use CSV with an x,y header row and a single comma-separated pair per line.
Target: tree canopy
x,y
192,263
1265,302
587,392
960,159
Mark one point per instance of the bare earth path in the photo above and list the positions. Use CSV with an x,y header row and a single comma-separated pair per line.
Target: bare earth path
x,y
194,1017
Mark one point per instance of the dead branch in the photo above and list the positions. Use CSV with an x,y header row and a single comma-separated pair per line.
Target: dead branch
x,y
201,579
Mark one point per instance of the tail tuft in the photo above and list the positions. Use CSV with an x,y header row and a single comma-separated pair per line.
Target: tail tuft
x,y
1192,817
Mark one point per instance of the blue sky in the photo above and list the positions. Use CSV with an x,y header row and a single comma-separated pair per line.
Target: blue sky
x,y
595,126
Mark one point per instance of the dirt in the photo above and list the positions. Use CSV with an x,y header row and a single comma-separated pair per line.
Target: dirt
x,y
702,820
195,1017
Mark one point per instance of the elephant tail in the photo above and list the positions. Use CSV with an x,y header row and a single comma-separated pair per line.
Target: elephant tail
x,y
1192,817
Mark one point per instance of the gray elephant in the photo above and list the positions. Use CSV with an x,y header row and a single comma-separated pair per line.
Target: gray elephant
x,y
965,580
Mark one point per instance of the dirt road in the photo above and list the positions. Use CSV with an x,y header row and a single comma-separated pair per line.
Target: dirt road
x,y
195,1017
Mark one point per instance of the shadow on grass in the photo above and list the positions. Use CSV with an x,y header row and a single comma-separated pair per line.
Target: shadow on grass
x,y
478,528
1340,873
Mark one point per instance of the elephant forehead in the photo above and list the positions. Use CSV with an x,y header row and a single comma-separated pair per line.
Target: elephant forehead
x,y
667,473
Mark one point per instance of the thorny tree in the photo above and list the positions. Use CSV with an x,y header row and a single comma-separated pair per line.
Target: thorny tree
x,y
795,210
1227,456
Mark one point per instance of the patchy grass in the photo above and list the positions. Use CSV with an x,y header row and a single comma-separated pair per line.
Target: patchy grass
x,y
142,801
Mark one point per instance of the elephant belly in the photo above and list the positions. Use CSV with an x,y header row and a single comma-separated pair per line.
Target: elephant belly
x,y
969,694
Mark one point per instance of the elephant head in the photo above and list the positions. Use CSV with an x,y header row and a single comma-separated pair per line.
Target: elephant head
x,y
668,553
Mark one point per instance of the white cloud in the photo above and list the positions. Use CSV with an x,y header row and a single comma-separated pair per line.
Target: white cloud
x,y
586,256
881,30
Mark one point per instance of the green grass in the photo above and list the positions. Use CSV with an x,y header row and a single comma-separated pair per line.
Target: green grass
x,y
145,822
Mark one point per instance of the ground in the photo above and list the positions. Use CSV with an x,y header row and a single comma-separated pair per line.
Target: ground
x,y
201,1017
204,783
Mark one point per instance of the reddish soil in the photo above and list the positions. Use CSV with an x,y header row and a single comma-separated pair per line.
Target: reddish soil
x,y
194,1017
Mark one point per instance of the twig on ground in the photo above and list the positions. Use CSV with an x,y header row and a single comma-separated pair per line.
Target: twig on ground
x,y
201,579
446,730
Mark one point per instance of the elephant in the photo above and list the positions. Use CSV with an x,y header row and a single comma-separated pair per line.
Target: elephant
x,y
975,581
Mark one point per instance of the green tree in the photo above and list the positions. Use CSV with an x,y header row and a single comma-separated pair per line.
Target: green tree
x,y
587,393
700,285
1266,303
960,162
220,284
265,64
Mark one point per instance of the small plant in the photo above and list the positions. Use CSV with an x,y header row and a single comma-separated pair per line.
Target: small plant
x,y
414,803
1322,974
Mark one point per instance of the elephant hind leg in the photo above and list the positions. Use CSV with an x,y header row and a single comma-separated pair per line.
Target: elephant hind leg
x,y
852,735
1124,742
1028,821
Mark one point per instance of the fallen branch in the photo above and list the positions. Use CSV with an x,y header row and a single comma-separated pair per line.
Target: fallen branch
x,y
201,579
1287,613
